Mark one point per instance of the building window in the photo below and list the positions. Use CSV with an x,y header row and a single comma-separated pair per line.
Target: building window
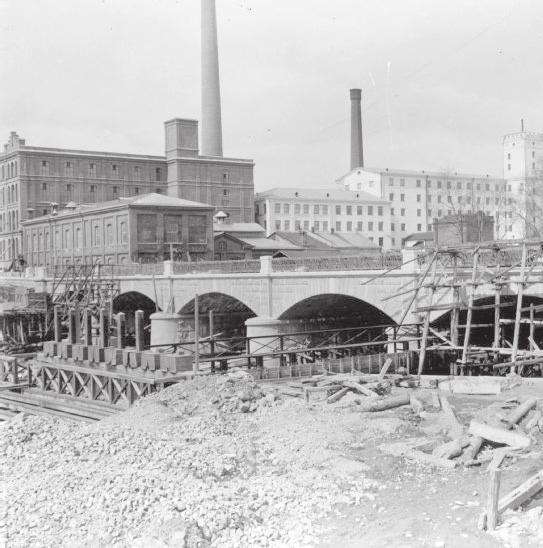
x,y
392,227
315,209
508,167
325,210
158,174
324,226
380,226
359,210
419,228
391,196
402,212
277,208
197,229
359,225
69,191
402,197
286,209
316,226
370,210
306,209
115,192
468,185
225,176
349,226
391,181
287,226
380,210
370,226
349,210
402,182
338,226
419,212
136,190
418,183
429,213
392,211
93,191
277,225
124,232
402,227
418,197
297,225
439,184
306,225
338,210
44,187
296,209
381,241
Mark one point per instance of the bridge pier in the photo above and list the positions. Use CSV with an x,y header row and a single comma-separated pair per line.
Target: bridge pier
x,y
263,326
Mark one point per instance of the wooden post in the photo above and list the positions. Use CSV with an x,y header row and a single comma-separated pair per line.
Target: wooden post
x,y
532,326
121,329
138,327
211,339
196,366
104,328
71,327
520,292
456,302
426,325
469,316
77,314
493,496
497,303
57,323
88,326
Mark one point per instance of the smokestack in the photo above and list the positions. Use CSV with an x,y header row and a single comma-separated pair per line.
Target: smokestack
x,y
357,154
211,90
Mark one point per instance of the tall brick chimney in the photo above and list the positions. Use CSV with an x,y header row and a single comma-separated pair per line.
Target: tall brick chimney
x,y
211,89
357,153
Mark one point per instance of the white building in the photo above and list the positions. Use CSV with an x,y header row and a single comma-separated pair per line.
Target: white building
x,y
418,197
326,210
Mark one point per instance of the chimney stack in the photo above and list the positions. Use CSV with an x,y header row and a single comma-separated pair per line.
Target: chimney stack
x,y
211,90
357,154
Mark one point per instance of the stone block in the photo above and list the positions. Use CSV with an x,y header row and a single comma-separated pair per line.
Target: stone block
x,y
113,356
66,350
175,363
150,360
97,354
134,359
50,348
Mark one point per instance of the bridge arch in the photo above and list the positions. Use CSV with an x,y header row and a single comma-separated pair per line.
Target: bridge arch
x,y
334,310
229,314
482,333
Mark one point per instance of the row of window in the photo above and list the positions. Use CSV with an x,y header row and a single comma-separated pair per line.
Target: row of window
x,y
348,226
9,170
323,209
114,170
9,194
439,184
9,222
69,190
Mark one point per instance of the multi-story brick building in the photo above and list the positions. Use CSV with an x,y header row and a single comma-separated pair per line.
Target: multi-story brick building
x,y
146,228
33,179
326,210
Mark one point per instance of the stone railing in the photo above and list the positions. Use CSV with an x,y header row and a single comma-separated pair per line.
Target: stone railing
x,y
313,264
211,267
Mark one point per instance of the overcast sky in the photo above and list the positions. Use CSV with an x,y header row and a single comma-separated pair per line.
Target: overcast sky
x,y
442,80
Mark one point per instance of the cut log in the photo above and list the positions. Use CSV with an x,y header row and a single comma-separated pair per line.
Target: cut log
x,y
360,388
519,412
386,403
385,368
475,444
498,456
498,435
451,449
338,395
492,501
407,451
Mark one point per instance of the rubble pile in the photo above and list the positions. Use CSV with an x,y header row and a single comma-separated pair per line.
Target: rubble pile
x,y
216,461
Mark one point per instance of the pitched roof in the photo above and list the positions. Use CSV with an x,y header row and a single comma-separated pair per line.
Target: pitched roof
x,y
419,173
238,227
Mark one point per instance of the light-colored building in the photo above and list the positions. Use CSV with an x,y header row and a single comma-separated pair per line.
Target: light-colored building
x,y
523,171
326,210
147,228
417,197
32,179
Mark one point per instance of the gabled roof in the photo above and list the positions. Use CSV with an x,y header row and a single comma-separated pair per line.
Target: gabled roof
x,y
418,173
162,200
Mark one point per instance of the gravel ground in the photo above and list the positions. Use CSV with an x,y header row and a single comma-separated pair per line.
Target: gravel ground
x,y
210,462
222,461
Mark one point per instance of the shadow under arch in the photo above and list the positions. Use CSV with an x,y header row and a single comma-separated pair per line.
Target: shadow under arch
x,y
229,315
128,303
484,335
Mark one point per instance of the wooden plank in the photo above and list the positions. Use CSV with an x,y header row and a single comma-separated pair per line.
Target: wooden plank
x,y
492,501
524,492
498,435
523,409
385,368
338,395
